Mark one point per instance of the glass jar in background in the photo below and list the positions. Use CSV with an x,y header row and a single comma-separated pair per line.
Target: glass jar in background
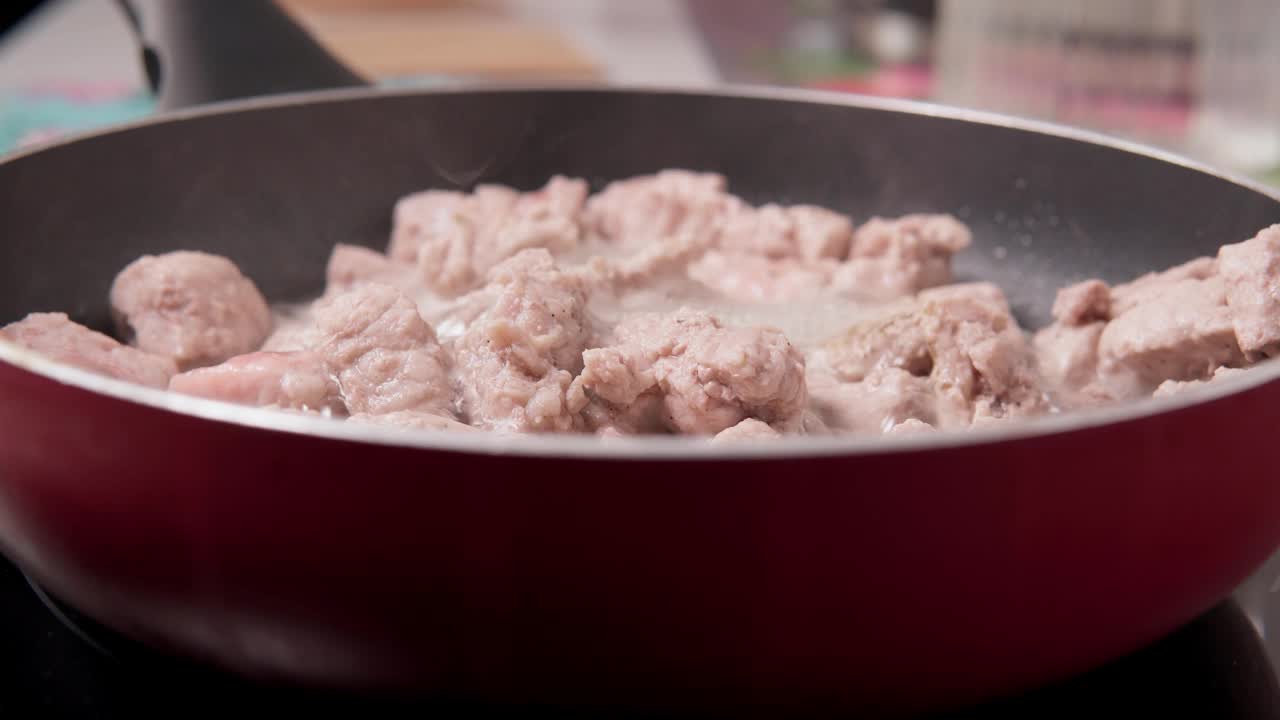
x,y
1124,67
1237,122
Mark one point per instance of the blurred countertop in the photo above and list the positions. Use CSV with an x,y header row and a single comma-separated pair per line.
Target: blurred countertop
x,y
86,42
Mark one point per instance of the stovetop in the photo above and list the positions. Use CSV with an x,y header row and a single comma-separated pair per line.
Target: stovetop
x,y
1217,666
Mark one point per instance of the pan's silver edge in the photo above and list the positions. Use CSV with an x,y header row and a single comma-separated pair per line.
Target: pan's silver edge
x,y
647,448
823,97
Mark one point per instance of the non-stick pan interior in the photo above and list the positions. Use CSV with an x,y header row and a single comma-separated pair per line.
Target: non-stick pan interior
x,y
276,185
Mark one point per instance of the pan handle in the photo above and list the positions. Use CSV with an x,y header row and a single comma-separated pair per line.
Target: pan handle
x,y
201,51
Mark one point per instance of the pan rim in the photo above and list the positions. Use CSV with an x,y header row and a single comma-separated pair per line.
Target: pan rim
x,y
647,447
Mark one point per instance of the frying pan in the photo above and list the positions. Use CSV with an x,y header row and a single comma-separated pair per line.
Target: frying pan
x,y
900,573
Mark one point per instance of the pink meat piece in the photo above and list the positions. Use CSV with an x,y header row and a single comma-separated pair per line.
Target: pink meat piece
x,y
56,337
1251,271
910,426
1067,357
758,279
287,380
1177,387
806,232
893,258
517,359
634,212
874,405
413,219
294,330
413,420
352,265
662,256
1083,303
194,307
981,292
1182,332
1126,296
709,377
969,346
454,239
643,416
746,431
384,355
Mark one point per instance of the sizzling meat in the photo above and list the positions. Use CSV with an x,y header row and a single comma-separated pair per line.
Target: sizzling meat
x,y
665,304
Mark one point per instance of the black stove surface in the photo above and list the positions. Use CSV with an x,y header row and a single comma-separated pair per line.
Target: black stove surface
x,y
1215,667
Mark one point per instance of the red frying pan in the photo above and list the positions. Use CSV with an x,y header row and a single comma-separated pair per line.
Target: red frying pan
x,y
906,572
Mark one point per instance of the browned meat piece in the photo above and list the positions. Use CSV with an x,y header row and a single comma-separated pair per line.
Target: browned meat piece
x,y
746,431
1083,303
352,265
56,337
288,380
1251,270
1067,356
191,306
1127,295
754,278
517,360
1175,387
893,258
879,402
413,420
805,232
455,239
710,377
383,354
1182,332
970,348
910,426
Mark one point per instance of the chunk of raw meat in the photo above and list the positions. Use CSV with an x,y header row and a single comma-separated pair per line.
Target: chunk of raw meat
x,y
662,256
1083,303
1251,271
969,346
645,415
287,380
413,420
874,405
194,307
758,279
352,265
910,426
709,377
384,355
805,232
1126,296
634,212
56,337
893,258
294,330
455,239
1176,387
517,360
746,431
1067,356
977,291
1182,332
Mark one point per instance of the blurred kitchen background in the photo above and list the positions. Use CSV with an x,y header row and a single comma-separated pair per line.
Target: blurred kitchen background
x,y
1196,77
